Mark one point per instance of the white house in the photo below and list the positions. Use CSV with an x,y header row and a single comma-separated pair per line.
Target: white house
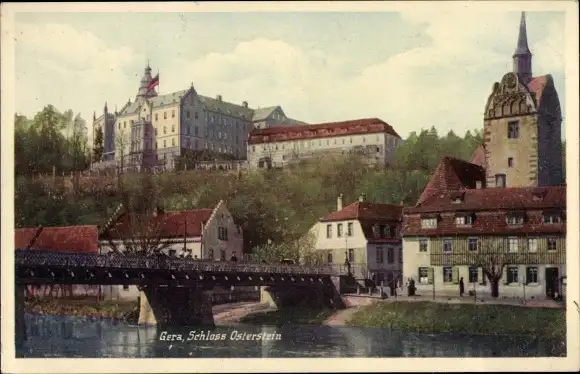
x,y
367,234
201,233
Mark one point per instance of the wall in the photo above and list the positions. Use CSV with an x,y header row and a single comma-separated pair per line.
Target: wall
x,y
337,246
393,269
167,141
193,124
283,152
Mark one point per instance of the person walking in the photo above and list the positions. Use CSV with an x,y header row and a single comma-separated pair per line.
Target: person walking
x,y
461,287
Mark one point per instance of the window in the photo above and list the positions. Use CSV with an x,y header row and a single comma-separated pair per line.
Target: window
x,y
156,117
533,245
222,233
552,218
500,180
329,231
379,255
424,276
173,114
173,128
531,274
400,255
513,130
472,244
447,274
463,220
429,223
329,258
165,129
390,255
164,143
349,229
551,244
173,142
339,230
155,132
515,219
473,272
351,255
422,245
196,116
210,254
447,245
223,255
187,114
510,162
172,252
512,274
164,115
513,244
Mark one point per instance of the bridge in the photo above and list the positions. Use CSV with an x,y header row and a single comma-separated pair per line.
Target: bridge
x,y
173,289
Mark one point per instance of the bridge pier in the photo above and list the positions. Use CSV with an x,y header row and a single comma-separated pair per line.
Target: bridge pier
x,y
175,306
19,321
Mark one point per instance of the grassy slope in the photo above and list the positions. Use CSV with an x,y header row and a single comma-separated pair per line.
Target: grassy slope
x,y
464,318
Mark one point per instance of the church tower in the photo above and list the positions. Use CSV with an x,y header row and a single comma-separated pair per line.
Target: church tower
x,y
144,90
522,126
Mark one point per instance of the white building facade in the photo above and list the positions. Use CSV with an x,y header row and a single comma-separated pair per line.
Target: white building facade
x,y
280,146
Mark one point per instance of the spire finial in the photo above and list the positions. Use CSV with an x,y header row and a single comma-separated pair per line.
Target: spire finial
x,y
522,56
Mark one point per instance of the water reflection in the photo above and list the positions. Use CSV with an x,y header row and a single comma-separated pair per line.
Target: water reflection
x,y
81,337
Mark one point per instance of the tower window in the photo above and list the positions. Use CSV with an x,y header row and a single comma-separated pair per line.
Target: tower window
x,y
156,117
510,162
500,181
164,115
513,129
173,114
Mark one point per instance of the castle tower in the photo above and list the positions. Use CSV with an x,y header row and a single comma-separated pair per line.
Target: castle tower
x,y
144,90
522,126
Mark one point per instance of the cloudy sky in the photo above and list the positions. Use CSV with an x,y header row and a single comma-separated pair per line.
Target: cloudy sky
x,y
412,69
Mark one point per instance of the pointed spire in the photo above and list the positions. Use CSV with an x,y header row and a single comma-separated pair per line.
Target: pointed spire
x,y
522,47
106,109
94,115
522,58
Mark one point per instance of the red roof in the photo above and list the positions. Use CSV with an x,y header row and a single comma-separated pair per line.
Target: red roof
x,y
170,224
365,210
452,174
66,239
322,130
537,85
494,199
478,157
492,223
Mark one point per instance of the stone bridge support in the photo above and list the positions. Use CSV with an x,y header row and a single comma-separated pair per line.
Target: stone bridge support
x,y
175,306
19,321
325,295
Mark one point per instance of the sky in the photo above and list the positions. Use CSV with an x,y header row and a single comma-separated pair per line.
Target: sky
x,y
411,69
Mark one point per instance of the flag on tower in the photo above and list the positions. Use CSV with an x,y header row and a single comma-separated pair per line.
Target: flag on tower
x,y
154,82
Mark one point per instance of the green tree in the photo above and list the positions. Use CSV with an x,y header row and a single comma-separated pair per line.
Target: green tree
x,y
98,147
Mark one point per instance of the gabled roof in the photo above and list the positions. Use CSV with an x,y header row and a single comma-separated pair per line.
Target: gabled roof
x,y
364,210
226,108
494,199
321,130
478,156
537,85
65,239
261,114
452,174
166,224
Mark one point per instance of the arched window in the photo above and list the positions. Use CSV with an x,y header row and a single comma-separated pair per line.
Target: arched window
x,y
210,254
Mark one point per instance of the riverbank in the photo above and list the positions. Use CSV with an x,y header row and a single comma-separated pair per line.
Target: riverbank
x,y
433,317
288,316
125,311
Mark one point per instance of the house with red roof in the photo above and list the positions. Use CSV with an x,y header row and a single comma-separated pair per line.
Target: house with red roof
x,y
205,234
364,234
502,215
82,239
372,138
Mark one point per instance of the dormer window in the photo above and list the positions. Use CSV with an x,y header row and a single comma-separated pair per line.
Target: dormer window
x,y
464,220
456,197
429,222
552,218
515,219
538,193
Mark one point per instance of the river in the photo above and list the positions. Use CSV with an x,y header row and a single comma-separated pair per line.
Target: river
x,y
77,337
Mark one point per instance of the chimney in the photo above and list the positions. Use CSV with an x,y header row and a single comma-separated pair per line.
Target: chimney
x,y
245,104
219,97
478,184
339,202
361,197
